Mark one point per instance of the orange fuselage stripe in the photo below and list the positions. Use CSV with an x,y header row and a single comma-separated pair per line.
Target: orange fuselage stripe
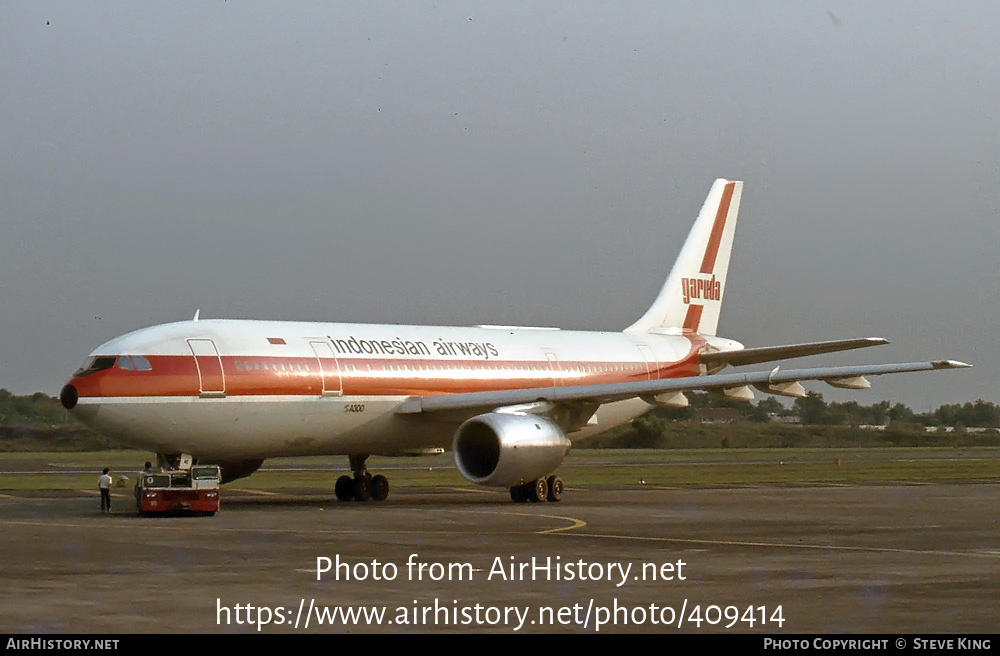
x,y
178,375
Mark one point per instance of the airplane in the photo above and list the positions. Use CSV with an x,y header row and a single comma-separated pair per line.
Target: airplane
x,y
508,401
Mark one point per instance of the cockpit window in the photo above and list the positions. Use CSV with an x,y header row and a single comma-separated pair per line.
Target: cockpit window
x,y
100,363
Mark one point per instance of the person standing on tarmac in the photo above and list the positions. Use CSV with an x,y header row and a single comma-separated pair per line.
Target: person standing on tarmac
x,y
104,484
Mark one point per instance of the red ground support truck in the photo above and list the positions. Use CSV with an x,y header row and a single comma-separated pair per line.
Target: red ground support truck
x,y
194,490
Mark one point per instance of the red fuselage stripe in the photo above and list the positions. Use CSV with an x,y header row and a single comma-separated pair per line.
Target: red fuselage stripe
x,y
178,375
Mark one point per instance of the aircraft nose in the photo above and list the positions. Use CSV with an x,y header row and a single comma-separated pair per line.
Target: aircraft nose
x,y
69,396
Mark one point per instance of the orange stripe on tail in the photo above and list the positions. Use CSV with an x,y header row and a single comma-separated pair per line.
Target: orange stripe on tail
x,y
712,250
693,318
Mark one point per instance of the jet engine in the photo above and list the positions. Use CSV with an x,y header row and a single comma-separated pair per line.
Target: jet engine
x,y
505,450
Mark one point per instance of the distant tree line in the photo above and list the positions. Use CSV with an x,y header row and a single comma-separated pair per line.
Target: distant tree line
x,y
38,422
32,410
41,409
769,423
813,410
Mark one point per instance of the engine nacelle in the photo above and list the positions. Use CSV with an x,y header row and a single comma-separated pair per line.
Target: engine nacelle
x,y
508,449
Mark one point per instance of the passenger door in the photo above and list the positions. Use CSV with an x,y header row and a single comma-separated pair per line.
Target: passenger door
x,y
329,368
211,379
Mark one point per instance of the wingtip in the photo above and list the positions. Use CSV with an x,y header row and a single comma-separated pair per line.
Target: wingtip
x,y
877,340
950,364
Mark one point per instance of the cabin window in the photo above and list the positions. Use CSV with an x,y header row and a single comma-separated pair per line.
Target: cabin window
x,y
239,365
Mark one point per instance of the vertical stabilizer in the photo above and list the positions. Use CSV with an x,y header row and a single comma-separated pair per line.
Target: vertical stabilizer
x,y
692,295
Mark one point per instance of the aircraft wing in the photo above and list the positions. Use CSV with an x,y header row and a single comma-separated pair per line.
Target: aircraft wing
x,y
545,398
772,353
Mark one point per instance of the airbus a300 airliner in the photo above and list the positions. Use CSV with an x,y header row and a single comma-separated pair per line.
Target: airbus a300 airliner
x,y
506,400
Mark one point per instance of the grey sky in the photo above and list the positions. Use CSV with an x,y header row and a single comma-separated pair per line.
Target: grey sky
x,y
533,163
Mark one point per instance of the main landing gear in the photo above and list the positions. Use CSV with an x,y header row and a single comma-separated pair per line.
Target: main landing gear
x,y
363,486
542,489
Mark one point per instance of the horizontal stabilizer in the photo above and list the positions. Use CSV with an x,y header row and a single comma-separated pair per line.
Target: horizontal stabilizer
x,y
772,353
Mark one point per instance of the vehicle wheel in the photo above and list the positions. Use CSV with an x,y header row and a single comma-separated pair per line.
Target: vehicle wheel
x,y
344,489
379,487
362,488
555,488
517,494
538,491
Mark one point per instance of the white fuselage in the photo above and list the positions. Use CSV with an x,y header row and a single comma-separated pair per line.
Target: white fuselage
x,y
259,389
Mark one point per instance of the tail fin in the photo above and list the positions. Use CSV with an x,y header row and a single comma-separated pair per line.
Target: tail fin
x,y
692,295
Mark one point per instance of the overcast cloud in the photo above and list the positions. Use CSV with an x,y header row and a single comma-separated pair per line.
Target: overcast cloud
x,y
519,163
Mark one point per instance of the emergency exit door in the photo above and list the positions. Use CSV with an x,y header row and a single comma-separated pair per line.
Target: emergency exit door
x,y
652,365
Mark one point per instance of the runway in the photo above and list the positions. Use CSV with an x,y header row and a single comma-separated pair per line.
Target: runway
x,y
835,559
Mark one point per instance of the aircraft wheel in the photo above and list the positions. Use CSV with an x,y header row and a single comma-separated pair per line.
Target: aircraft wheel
x,y
379,487
518,494
362,488
538,491
555,488
344,489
